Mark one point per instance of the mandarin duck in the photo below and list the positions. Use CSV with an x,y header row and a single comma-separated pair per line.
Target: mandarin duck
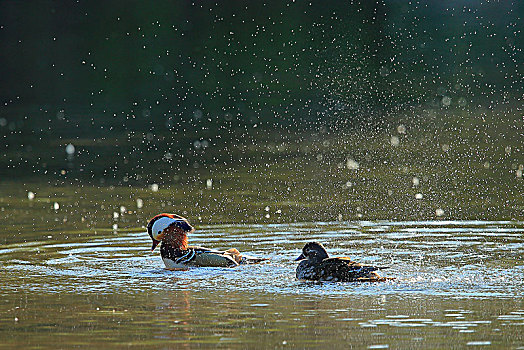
x,y
171,230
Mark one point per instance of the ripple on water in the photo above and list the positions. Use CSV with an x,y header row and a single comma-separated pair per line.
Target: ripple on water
x,y
456,259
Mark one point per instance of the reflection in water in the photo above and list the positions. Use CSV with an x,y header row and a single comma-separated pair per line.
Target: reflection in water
x,y
180,328
458,282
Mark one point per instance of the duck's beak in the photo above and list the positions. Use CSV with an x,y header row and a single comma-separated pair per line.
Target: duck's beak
x,y
301,257
157,240
155,243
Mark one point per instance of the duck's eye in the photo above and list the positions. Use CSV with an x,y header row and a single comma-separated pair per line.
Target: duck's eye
x,y
159,232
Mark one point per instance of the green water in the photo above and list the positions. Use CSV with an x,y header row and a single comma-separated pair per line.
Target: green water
x,y
458,284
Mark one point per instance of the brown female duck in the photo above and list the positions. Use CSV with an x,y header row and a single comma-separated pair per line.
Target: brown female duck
x,y
316,265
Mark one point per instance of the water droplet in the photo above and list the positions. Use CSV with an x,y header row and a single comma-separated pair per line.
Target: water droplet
x,y
395,141
351,164
70,149
198,114
384,71
30,195
56,206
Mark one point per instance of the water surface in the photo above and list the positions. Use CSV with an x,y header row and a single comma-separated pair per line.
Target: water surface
x,y
458,282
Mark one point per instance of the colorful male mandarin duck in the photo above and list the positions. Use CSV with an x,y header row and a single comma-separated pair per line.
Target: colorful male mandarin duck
x,y
172,230
318,266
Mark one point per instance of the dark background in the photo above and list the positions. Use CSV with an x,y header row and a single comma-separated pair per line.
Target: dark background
x,y
163,63
362,110
155,91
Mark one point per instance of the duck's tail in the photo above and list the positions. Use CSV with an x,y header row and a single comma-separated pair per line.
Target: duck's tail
x,y
246,259
242,258
374,277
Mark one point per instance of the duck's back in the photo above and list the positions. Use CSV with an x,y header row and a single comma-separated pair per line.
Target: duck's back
x,y
339,270
195,256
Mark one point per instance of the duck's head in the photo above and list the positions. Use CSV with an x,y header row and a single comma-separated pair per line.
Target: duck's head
x,y
165,227
313,251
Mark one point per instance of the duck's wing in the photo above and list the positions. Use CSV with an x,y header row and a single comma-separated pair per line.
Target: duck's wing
x,y
203,249
203,257
357,265
234,254
347,270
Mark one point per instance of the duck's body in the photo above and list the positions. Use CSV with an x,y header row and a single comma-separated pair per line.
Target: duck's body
x,y
200,257
316,265
171,230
